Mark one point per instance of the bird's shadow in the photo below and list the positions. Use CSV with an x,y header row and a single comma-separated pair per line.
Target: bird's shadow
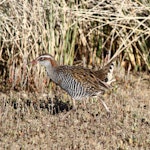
x,y
55,106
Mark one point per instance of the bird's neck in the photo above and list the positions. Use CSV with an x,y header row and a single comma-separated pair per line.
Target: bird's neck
x,y
53,63
50,68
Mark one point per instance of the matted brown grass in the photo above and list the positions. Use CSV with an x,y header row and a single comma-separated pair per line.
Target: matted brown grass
x,y
27,120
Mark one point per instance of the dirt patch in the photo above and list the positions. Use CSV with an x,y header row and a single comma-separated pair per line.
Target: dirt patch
x,y
32,121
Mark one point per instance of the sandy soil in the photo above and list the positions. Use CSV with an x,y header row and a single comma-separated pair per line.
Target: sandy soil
x,y
32,121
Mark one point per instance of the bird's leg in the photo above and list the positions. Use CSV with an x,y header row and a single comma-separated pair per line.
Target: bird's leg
x,y
104,104
74,105
69,112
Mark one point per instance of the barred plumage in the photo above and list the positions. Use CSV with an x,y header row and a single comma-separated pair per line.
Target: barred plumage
x,y
77,81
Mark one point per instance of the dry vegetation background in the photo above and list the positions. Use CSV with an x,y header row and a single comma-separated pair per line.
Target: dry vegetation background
x,y
80,33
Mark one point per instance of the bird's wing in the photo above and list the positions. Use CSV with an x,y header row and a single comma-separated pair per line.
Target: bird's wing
x,y
85,77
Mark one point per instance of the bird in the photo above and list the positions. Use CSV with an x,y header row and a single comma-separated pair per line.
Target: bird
x,y
77,81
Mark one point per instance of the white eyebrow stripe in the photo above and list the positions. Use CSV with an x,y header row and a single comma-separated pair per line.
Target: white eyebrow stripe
x,y
46,56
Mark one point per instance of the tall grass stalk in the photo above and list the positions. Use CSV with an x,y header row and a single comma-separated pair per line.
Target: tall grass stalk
x,y
82,31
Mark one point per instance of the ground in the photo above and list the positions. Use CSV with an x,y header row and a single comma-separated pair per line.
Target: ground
x,y
32,121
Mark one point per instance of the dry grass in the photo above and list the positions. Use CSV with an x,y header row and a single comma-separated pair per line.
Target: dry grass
x,y
74,32
32,121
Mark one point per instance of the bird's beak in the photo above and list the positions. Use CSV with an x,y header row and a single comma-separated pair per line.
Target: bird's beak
x,y
33,62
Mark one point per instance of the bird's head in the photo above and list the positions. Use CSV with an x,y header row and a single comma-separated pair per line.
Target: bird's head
x,y
45,60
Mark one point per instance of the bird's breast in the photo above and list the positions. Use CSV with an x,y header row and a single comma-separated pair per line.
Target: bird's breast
x,y
74,88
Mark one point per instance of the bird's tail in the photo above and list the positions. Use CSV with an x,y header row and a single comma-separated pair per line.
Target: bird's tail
x,y
105,74
110,74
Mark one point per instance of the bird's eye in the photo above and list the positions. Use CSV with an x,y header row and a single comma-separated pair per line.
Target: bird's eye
x,y
42,58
